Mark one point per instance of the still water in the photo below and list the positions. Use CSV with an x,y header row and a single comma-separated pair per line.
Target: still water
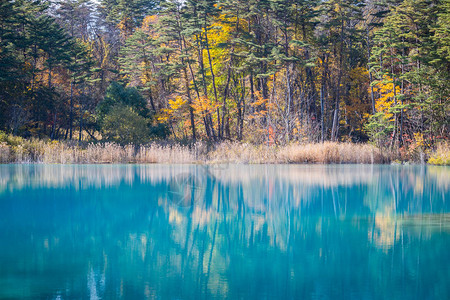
x,y
227,231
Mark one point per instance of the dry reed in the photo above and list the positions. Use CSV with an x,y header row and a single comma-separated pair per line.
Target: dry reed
x,y
330,152
17,150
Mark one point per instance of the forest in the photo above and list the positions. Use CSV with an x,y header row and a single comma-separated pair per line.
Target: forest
x,y
272,72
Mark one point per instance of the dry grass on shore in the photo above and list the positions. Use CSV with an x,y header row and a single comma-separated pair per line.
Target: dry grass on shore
x,y
18,150
329,152
318,153
104,153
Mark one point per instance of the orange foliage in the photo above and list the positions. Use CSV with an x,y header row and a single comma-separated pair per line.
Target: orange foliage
x,y
203,106
261,106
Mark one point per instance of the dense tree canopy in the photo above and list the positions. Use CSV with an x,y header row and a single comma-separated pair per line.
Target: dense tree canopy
x,y
272,71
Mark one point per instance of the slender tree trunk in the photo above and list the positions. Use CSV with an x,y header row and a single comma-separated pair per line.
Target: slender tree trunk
x,y
197,91
212,76
310,78
53,134
322,129
186,79
80,136
71,110
402,91
191,110
252,89
323,96
241,125
289,104
372,95
225,95
81,125
394,90
239,116
150,98
205,89
49,77
335,128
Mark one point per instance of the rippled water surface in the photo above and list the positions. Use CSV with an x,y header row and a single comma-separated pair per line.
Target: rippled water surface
x,y
231,231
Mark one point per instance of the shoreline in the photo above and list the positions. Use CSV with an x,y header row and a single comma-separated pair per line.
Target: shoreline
x,y
32,151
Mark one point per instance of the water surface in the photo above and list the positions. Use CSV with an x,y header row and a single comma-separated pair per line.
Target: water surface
x,y
231,231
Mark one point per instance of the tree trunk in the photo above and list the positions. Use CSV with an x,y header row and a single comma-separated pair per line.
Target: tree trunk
x,y
213,77
335,128
191,110
289,104
372,95
71,110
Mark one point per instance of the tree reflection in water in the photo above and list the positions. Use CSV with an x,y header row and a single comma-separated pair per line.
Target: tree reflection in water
x,y
237,231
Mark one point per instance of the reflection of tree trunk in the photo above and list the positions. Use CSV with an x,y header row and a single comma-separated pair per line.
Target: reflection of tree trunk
x,y
211,254
418,255
201,254
188,233
334,202
251,237
225,201
194,239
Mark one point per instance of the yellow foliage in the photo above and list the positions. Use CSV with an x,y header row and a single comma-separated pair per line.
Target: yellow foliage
x,y
441,156
174,110
222,31
386,101
418,136
149,25
177,103
146,76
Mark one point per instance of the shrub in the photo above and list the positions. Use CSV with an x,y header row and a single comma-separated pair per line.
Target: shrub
x,y
441,156
124,126
116,94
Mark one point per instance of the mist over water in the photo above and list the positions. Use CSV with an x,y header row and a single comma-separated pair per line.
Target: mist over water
x,y
224,231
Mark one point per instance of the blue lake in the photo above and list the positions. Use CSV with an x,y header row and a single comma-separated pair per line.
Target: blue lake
x,y
225,231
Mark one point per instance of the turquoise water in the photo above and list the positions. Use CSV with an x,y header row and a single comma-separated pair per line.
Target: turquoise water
x,y
237,232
